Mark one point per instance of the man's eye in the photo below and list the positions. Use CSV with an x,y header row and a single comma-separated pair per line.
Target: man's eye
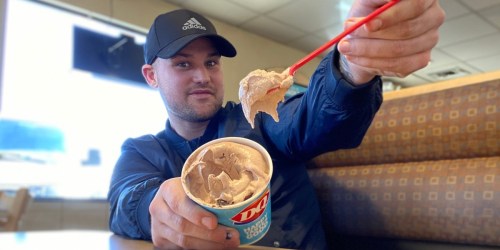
x,y
183,65
211,63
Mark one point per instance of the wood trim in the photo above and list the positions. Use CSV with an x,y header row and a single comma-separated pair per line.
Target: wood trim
x,y
433,87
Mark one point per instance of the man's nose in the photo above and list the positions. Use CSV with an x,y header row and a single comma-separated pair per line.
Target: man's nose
x,y
201,75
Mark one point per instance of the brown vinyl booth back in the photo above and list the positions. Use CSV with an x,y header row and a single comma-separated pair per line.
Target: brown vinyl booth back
x,y
428,168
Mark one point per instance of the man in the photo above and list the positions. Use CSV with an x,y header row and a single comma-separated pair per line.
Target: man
x,y
182,61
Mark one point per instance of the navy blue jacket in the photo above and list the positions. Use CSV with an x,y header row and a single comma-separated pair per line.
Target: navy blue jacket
x,y
330,115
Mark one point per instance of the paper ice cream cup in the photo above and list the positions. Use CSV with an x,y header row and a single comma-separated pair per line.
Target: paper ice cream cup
x,y
251,217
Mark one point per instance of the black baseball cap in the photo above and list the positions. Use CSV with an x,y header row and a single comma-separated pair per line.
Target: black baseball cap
x,y
172,31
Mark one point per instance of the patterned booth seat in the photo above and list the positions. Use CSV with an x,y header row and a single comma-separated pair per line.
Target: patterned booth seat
x,y
426,176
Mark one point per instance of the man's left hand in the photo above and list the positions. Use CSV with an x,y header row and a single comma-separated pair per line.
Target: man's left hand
x,y
396,43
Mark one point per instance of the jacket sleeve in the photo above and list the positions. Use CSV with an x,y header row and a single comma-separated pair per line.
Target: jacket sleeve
x,y
331,114
134,183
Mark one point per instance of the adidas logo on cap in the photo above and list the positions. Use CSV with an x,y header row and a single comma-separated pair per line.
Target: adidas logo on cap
x,y
192,23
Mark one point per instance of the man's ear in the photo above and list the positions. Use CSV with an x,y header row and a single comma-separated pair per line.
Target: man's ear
x,y
149,75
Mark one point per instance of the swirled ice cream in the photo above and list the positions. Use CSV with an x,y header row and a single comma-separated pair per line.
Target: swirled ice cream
x,y
225,173
261,90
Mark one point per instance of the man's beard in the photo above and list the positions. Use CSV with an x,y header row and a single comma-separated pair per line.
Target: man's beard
x,y
188,113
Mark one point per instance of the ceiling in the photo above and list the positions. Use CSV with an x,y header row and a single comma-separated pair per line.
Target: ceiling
x,y
469,38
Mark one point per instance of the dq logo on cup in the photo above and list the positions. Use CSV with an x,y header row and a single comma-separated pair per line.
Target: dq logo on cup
x,y
252,222
252,212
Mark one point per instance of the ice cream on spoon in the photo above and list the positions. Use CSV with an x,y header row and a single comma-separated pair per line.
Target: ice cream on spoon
x,y
261,90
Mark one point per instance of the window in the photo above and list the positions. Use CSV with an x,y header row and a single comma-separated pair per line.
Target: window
x,y
62,121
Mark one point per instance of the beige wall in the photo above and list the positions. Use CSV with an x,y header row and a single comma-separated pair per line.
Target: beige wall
x,y
254,52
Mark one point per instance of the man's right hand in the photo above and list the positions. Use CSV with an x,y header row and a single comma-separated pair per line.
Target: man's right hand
x,y
177,222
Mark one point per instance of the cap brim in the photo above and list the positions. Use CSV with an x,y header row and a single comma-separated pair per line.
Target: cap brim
x,y
223,46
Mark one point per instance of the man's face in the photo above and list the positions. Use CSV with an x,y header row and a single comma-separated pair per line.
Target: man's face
x,y
191,82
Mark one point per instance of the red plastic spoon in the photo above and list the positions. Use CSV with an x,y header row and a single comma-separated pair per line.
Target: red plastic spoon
x,y
336,39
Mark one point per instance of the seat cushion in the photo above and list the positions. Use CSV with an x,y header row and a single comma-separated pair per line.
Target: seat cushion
x,y
446,201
